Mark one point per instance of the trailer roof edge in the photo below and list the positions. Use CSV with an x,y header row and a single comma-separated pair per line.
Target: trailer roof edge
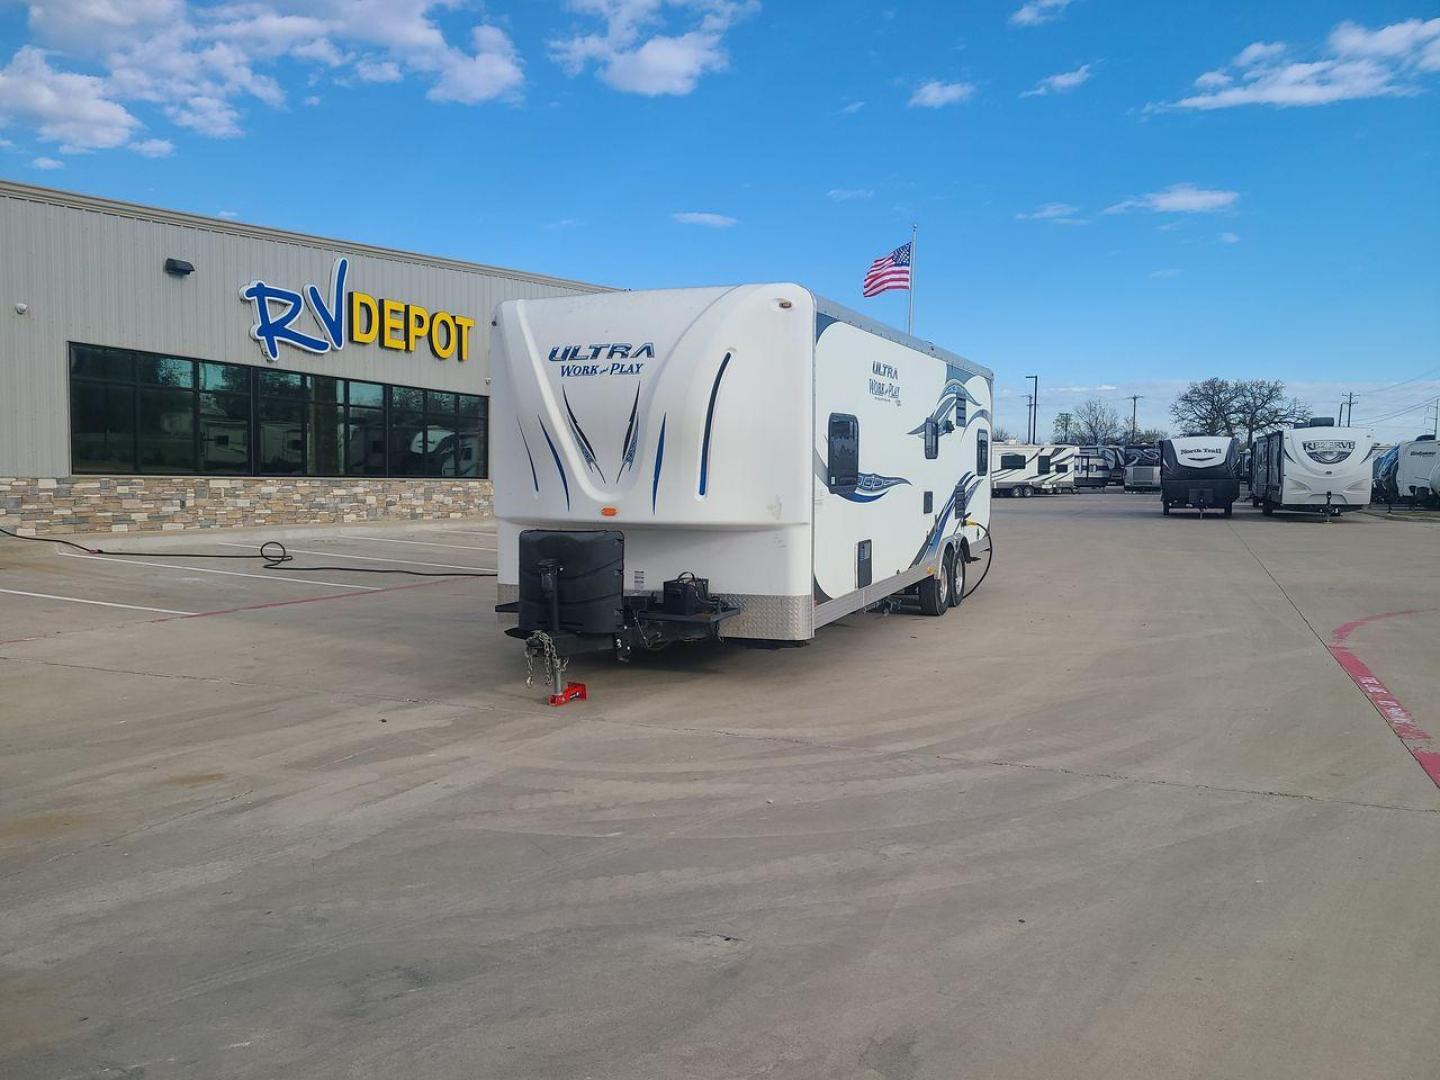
x,y
824,306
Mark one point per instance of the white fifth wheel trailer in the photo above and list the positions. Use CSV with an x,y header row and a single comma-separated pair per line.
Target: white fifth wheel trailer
x,y
1409,472
757,459
1317,467
1019,470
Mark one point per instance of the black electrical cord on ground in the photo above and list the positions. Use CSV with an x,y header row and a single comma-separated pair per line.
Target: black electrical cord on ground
x,y
272,553
989,558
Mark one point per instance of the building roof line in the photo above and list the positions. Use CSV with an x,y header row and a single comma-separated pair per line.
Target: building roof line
x,y
140,212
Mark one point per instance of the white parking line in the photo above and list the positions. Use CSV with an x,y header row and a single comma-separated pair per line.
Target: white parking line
x,y
97,603
370,558
228,573
422,543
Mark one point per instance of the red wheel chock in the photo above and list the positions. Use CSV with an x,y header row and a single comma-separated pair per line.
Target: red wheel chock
x,y
573,691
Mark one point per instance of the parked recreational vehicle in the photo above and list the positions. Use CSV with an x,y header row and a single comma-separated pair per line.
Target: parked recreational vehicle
x,y
1142,468
1318,467
1410,472
667,463
1094,466
1200,471
1020,469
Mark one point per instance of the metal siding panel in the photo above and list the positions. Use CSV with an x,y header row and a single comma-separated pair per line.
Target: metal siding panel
x,y
96,276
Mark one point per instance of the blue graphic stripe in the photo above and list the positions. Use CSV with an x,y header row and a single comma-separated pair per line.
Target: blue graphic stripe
x,y
534,476
586,450
659,460
564,481
709,420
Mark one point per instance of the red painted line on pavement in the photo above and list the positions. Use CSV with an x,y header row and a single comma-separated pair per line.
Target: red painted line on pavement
x,y
1414,738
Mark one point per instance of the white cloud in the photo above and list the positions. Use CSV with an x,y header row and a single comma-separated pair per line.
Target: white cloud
x,y
1057,213
76,110
936,94
850,194
1229,238
1357,63
6,144
153,148
312,100
563,223
1169,272
853,108
228,215
1036,12
634,55
201,64
1258,52
1062,83
378,71
493,71
46,163
711,221
1179,199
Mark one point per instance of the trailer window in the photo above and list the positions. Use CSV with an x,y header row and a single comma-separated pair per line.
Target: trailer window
x,y
982,454
1043,468
960,411
844,452
932,438
1012,461
1060,467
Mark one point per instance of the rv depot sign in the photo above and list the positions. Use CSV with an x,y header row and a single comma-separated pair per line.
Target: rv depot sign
x,y
355,317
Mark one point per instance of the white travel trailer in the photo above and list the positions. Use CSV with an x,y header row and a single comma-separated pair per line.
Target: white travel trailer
x,y
1410,471
667,463
1019,470
1318,467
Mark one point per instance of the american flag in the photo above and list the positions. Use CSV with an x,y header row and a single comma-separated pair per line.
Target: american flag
x,y
891,272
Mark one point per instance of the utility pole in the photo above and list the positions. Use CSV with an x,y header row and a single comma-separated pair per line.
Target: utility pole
x,y
1028,400
1347,417
1034,409
1134,414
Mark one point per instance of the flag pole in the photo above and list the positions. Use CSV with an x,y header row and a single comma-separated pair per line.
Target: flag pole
x,y
910,317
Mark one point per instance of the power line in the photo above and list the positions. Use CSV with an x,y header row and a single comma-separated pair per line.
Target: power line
x,y
1398,412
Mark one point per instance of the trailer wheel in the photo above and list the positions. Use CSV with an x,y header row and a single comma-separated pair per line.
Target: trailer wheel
x,y
1024,493
935,590
957,576
1267,507
1165,507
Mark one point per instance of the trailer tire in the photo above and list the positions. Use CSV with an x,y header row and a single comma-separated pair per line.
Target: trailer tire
x,y
935,590
1165,507
1024,492
1267,507
957,576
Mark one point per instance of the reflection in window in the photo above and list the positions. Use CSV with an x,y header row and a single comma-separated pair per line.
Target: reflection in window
x,y
137,412
166,442
102,428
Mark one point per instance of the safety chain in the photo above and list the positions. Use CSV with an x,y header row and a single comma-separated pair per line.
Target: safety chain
x,y
554,663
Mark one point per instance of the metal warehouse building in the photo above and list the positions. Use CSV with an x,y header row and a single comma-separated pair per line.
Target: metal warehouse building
x,y
161,370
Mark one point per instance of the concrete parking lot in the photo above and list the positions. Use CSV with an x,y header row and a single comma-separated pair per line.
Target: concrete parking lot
x,y
1125,813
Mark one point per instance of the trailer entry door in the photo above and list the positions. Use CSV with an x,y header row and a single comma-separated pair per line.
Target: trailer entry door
x,y
843,453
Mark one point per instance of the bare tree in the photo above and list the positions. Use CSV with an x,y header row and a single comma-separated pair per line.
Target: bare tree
x,y
1064,426
1150,435
1207,408
1261,404
1097,424
1000,434
1242,408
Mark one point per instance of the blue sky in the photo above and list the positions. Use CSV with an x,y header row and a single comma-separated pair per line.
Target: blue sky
x,y
1118,196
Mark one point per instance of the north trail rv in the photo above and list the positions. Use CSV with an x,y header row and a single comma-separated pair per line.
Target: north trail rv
x,y
1201,472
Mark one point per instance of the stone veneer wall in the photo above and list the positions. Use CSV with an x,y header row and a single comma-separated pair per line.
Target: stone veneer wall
x,y
82,504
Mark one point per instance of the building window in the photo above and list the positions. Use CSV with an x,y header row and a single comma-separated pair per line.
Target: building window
x,y
133,412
